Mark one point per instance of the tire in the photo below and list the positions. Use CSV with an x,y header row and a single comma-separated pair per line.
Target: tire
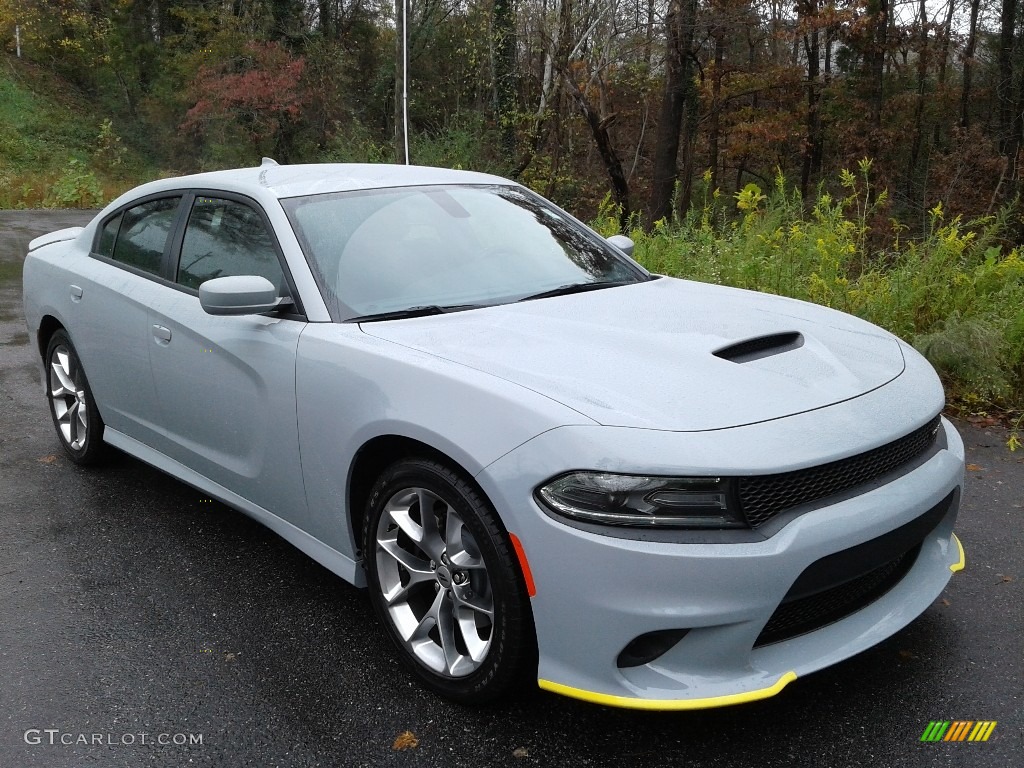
x,y
72,407
449,593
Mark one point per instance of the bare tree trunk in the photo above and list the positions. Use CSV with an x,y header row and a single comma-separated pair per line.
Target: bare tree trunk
x,y
878,10
400,32
649,33
716,95
679,90
809,9
818,150
922,87
1004,86
972,40
605,147
1018,122
828,54
324,9
689,142
947,33
947,29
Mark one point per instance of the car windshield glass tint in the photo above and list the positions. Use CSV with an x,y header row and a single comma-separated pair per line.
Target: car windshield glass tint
x,y
379,251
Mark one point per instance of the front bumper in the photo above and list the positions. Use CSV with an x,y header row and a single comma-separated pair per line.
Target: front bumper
x,y
596,593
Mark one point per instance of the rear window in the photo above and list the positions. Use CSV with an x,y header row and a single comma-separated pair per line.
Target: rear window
x,y
138,236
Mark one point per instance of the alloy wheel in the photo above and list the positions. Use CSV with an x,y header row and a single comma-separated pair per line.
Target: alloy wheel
x,y
434,582
69,399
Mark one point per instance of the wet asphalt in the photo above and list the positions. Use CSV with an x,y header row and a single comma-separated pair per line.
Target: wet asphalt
x,y
130,606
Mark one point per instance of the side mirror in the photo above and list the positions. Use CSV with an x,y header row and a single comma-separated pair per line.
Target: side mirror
x,y
238,295
623,243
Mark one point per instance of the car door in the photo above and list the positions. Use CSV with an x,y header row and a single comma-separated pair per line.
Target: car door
x,y
108,315
226,384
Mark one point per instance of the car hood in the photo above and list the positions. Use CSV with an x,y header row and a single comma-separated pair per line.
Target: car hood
x,y
643,355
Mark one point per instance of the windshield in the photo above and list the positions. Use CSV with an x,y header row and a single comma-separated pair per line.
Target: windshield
x,y
379,252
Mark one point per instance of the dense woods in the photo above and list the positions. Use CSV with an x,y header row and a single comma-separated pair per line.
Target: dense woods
x,y
650,100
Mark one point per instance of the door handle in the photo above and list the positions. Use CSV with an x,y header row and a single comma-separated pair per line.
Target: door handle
x,y
76,293
161,334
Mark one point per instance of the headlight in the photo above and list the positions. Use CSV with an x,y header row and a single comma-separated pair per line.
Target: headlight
x,y
635,500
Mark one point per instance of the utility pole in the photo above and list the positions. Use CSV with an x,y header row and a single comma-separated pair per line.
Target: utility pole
x,y
402,80
17,38
405,76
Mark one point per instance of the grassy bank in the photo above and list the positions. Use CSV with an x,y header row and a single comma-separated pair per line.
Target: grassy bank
x,y
56,151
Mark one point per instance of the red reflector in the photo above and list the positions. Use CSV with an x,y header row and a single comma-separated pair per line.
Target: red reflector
x,y
517,545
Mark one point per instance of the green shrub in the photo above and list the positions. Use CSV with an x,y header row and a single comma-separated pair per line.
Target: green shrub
x,y
355,143
109,153
76,187
462,144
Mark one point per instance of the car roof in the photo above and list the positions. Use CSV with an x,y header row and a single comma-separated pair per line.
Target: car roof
x,y
294,180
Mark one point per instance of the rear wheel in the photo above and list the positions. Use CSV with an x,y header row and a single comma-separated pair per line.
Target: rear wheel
x,y
444,580
78,423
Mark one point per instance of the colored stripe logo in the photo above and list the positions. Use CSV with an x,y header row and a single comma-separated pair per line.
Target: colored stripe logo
x,y
958,730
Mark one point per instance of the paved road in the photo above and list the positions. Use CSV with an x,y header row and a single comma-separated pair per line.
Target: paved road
x,y
128,605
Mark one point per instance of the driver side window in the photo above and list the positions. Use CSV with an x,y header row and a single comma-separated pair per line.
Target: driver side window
x,y
225,238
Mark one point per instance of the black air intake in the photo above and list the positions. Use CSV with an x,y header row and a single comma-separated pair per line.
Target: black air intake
x,y
761,346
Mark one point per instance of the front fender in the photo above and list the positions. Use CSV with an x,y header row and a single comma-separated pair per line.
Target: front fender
x,y
352,388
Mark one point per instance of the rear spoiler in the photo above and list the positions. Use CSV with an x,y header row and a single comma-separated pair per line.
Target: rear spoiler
x,y
55,237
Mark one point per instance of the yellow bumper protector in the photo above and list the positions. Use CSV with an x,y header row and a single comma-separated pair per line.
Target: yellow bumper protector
x,y
668,704
959,564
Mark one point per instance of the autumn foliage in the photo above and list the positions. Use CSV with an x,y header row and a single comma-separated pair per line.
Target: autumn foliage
x,y
261,93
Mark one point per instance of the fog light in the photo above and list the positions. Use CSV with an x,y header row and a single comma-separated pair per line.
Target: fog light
x,y
649,646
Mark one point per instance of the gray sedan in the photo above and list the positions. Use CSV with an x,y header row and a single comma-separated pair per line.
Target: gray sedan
x,y
546,464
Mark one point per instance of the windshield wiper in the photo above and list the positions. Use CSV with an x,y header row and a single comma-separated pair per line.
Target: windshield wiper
x,y
565,290
420,311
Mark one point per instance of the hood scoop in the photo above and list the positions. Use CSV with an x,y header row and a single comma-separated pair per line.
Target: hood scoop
x,y
761,346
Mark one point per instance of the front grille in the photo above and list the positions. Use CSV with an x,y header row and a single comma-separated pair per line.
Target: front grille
x,y
807,614
762,497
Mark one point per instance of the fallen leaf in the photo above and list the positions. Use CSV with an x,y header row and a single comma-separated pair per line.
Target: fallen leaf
x,y
406,740
946,602
1004,579
229,657
974,468
907,655
47,459
520,752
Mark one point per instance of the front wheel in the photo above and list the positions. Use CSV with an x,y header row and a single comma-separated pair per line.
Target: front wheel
x,y
78,422
445,583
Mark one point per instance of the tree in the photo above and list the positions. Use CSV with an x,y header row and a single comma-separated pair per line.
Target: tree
x,y
968,65
679,98
401,84
812,150
260,97
504,67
